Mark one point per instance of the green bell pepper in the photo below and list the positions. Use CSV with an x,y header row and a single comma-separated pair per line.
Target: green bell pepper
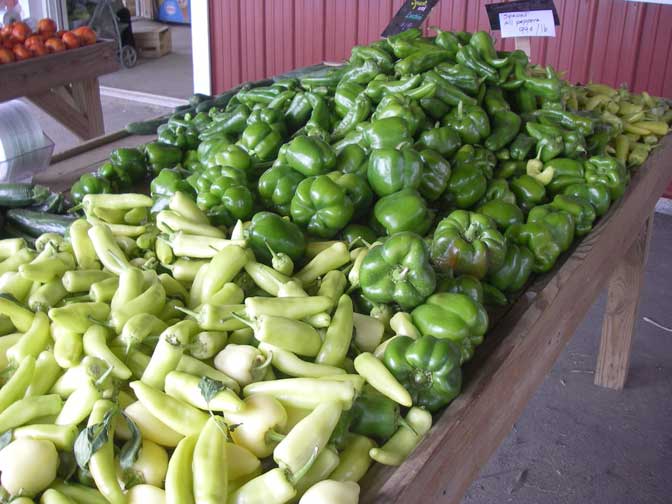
x,y
223,194
357,189
269,231
475,155
345,95
565,173
529,192
455,317
498,189
421,60
309,156
321,206
398,271
358,234
595,194
502,212
131,161
470,122
405,210
446,92
89,183
402,107
506,125
581,210
298,112
235,156
435,175
160,156
373,415
261,141
550,142
232,122
184,137
277,186
559,222
209,148
521,146
460,76
442,140
462,284
466,186
391,170
429,368
608,171
352,159
168,182
388,133
467,242
539,240
515,271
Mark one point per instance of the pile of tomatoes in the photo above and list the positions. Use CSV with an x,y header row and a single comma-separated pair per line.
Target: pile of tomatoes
x,y
18,42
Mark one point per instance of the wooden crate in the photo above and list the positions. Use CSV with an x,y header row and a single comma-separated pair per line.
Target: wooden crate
x,y
153,42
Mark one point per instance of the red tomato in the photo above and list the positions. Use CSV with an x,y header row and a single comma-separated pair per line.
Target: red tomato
x,y
70,40
6,31
21,31
86,35
32,40
21,52
54,45
46,25
6,56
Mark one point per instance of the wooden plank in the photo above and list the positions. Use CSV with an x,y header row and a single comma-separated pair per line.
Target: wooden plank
x,y
37,75
89,145
518,354
618,326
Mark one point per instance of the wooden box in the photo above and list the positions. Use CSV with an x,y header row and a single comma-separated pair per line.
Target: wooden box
x,y
153,42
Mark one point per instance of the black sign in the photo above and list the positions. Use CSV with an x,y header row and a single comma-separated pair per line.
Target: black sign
x,y
411,15
494,10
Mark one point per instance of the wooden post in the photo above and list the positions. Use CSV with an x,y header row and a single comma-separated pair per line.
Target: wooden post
x,y
524,44
618,326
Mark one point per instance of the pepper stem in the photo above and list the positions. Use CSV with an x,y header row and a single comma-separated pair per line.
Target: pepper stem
x,y
244,320
294,478
189,312
272,435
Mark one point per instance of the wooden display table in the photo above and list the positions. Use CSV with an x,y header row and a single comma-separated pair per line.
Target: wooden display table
x,y
65,85
519,350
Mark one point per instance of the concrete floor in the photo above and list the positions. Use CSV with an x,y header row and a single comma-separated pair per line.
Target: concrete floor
x,y
577,443
169,75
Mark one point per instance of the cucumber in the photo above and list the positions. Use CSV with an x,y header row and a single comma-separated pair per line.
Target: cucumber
x,y
183,109
146,127
35,223
204,106
22,195
197,98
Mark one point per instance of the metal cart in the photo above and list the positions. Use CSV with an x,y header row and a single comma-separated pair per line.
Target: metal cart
x,y
115,25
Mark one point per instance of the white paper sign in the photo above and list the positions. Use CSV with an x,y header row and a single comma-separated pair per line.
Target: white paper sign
x,y
527,24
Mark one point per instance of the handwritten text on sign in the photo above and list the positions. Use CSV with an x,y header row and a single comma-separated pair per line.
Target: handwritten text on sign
x,y
527,24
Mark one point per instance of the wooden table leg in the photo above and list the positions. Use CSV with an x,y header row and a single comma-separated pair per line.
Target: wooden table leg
x,y
618,326
87,97
77,107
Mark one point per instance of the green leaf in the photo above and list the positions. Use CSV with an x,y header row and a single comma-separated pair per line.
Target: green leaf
x,y
67,465
92,439
131,448
5,438
209,388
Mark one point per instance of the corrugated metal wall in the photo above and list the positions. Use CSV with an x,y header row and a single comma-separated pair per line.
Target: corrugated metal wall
x,y
611,41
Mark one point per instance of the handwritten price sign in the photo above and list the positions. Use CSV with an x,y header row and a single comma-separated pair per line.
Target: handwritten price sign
x,y
527,24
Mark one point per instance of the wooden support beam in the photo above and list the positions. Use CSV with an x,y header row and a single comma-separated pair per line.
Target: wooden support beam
x,y
620,317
